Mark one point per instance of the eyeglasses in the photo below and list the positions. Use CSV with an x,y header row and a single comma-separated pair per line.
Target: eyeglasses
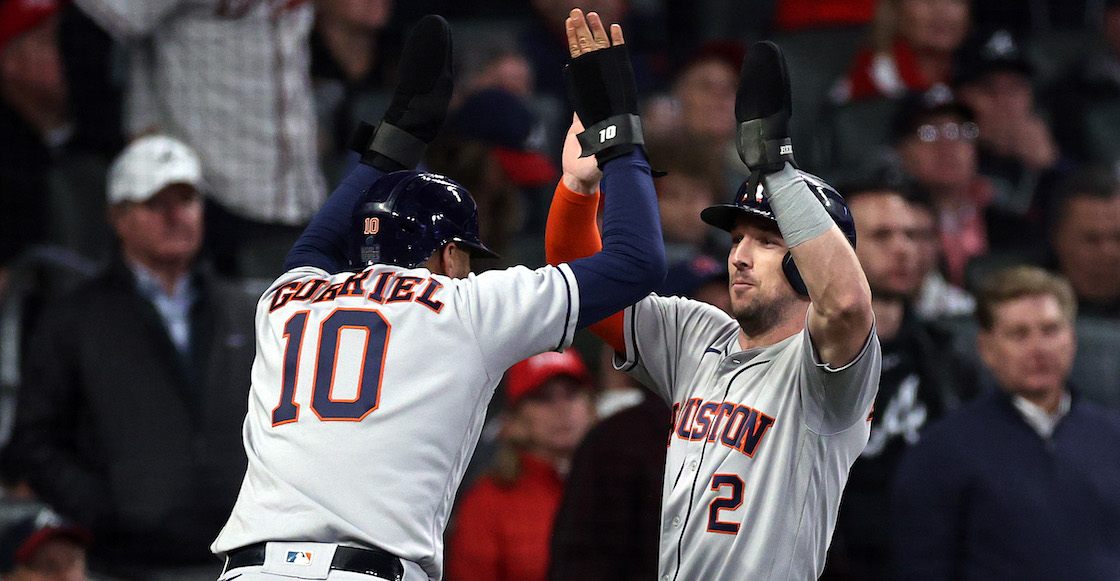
x,y
967,131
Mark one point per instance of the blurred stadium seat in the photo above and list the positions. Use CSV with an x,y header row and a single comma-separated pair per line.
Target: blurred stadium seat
x,y
816,58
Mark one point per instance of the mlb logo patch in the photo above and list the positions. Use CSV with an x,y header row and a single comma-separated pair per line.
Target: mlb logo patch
x,y
298,558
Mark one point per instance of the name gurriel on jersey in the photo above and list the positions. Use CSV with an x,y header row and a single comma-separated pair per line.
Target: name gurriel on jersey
x,y
388,287
742,427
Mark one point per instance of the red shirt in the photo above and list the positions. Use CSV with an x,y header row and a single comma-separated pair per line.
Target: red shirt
x,y
891,74
504,533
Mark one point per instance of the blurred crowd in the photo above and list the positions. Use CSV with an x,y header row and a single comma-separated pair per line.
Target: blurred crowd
x,y
159,157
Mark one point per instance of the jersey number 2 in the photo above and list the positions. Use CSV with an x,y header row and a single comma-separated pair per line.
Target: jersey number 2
x,y
725,503
325,406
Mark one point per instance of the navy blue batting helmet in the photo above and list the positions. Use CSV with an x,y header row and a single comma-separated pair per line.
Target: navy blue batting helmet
x,y
750,201
408,215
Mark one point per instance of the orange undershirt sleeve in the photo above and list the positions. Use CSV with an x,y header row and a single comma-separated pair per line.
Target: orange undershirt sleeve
x,y
572,232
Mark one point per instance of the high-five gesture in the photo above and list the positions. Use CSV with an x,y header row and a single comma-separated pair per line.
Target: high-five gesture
x,y
601,88
587,34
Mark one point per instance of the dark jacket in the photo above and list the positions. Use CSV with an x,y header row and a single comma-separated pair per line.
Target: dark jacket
x,y
118,431
608,524
983,497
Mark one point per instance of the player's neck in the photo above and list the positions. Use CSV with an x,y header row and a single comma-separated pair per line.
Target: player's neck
x,y
790,325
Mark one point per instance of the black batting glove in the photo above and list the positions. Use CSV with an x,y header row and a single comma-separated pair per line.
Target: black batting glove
x,y
762,108
419,105
603,92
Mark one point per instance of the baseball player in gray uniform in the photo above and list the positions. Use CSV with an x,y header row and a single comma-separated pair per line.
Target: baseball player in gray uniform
x,y
770,407
378,351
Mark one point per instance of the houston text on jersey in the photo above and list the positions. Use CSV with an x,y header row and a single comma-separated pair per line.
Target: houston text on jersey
x,y
743,427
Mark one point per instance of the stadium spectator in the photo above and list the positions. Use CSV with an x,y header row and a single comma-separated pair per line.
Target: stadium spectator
x,y
921,379
491,144
354,53
692,183
503,524
133,396
34,121
701,104
1086,240
934,136
936,298
1086,100
911,49
233,80
1015,147
1024,482
43,547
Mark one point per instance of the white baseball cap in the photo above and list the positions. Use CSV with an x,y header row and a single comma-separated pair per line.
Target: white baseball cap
x,y
150,164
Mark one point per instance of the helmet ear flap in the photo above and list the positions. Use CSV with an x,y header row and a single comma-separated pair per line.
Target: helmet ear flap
x,y
793,275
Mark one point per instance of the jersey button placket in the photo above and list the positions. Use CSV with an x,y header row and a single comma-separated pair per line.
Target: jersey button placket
x,y
676,521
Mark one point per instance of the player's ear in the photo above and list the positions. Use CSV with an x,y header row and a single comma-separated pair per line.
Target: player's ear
x,y
451,260
457,260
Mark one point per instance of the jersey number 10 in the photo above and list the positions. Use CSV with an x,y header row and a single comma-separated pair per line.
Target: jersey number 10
x,y
325,406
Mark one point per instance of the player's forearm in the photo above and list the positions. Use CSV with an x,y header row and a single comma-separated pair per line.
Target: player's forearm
x,y
324,242
825,259
632,262
571,233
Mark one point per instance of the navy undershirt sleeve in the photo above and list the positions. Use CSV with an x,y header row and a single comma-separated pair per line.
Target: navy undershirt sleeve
x,y
632,262
325,241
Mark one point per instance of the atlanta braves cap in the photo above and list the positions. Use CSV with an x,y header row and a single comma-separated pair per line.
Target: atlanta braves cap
x,y
150,164
20,540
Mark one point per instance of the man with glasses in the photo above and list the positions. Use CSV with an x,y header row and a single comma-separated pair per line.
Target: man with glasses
x,y
935,138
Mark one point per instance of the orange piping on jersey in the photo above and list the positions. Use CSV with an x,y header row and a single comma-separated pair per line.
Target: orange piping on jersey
x,y
361,371
684,426
703,420
736,494
752,436
724,410
334,362
571,233
737,419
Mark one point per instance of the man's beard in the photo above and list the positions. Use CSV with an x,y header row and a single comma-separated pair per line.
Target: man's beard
x,y
759,317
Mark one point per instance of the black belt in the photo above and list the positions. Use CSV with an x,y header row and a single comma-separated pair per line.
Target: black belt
x,y
369,561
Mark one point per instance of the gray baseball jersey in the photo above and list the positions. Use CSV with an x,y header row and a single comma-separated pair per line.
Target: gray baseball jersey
x,y
761,444
390,372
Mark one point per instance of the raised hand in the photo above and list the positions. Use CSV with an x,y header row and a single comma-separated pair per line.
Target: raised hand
x,y
601,87
581,174
586,34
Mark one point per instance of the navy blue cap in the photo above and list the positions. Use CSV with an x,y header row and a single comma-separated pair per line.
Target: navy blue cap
x,y
506,122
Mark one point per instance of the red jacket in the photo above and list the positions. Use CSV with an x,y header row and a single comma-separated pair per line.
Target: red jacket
x,y
503,533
